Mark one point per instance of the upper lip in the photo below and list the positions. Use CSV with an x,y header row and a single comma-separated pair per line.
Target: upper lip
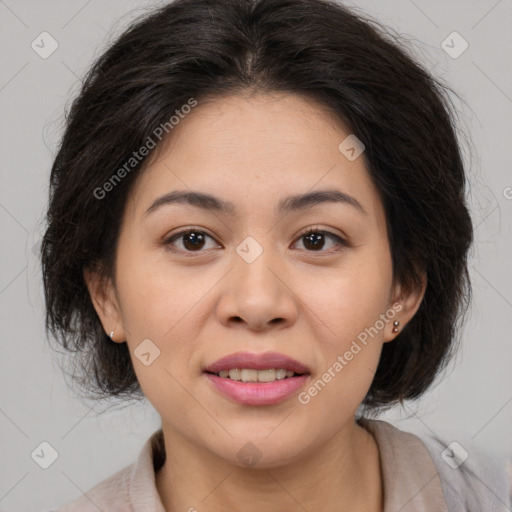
x,y
256,362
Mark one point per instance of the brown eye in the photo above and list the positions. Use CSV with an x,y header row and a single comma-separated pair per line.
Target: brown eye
x,y
314,240
192,240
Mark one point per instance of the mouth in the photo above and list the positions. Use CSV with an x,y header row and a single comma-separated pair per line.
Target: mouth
x,y
257,379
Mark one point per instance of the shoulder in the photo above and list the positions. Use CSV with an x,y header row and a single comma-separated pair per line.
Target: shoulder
x,y
131,488
471,480
114,491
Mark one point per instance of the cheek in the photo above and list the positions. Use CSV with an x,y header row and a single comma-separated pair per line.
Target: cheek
x,y
351,298
159,296
352,306
350,346
157,305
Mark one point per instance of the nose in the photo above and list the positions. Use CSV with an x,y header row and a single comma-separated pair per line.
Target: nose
x,y
257,296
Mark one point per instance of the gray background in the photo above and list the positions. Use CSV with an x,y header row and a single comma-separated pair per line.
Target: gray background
x,y
472,402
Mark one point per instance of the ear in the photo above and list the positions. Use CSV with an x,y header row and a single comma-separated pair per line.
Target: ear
x,y
405,301
105,302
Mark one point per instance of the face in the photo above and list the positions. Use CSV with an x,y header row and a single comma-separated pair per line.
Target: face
x,y
196,282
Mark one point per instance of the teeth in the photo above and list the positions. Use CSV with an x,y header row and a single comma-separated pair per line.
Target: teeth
x,y
251,375
280,374
235,374
266,375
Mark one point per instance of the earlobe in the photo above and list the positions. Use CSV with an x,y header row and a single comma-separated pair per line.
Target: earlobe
x,y
409,298
103,299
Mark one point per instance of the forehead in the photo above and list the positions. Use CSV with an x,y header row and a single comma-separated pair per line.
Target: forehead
x,y
253,151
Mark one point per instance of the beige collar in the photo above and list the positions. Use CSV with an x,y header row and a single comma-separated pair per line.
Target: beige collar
x,y
410,479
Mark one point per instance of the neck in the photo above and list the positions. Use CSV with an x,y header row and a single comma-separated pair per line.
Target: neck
x,y
343,475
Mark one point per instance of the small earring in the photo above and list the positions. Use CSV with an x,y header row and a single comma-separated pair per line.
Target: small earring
x,y
396,323
111,335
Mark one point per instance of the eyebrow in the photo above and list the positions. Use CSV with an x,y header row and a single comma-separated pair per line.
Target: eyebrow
x,y
286,205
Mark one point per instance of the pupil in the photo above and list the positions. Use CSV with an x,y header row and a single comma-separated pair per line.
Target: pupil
x,y
316,239
197,240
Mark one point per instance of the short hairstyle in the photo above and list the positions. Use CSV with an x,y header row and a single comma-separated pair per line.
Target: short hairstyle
x,y
318,49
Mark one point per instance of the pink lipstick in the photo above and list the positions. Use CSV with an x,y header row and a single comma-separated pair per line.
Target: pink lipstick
x,y
257,379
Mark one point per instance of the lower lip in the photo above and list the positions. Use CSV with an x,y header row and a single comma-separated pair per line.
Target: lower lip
x,y
257,393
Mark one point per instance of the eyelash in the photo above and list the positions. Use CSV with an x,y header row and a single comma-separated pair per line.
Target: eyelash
x,y
340,241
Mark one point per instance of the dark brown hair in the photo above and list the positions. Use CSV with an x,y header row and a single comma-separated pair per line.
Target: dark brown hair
x,y
319,49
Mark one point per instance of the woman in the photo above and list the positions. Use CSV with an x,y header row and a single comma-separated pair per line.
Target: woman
x,y
257,221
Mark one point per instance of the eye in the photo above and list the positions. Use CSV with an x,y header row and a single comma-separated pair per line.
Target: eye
x,y
193,240
314,240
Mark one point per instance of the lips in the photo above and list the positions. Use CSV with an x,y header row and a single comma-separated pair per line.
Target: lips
x,y
230,377
265,361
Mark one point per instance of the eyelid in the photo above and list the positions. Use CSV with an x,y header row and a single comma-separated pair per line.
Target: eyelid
x,y
320,229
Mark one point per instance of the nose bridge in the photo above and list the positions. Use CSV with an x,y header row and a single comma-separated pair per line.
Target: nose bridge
x,y
254,270
255,291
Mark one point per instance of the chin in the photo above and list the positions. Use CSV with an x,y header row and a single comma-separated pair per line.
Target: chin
x,y
261,451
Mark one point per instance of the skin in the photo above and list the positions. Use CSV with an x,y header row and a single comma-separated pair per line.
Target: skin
x,y
308,304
